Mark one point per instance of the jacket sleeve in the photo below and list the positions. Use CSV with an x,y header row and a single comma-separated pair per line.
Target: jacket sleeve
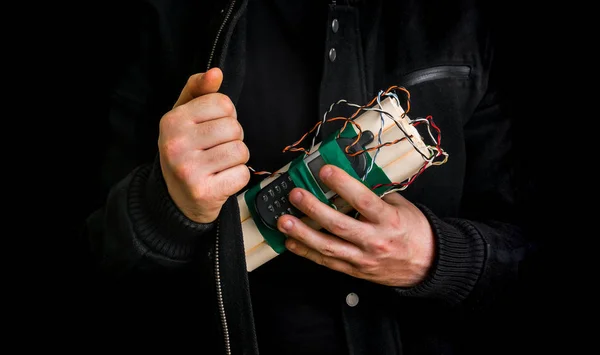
x,y
140,228
483,253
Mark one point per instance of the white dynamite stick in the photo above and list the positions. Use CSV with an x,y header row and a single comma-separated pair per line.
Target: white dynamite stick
x,y
399,162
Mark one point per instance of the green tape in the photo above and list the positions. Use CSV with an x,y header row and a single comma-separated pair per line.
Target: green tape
x,y
274,238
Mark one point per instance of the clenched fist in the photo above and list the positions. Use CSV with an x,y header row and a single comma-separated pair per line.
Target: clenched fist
x,y
202,155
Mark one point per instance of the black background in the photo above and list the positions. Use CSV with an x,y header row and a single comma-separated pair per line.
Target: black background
x,y
68,56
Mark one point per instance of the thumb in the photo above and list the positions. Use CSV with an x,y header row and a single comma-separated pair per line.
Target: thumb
x,y
200,84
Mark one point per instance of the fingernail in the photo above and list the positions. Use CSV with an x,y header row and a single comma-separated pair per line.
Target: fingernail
x,y
287,225
296,197
326,172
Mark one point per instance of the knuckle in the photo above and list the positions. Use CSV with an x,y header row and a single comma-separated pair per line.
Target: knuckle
x,y
171,147
243,176
328,249
339,227
183,172
365,202
240,150
239,130
226,104
238,180
397,221
199,195
354,272
322,260
380,246
234,128
305,253
367,266
168,119
235,181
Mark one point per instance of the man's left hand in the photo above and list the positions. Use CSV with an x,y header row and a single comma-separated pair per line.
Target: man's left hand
x,y
391,243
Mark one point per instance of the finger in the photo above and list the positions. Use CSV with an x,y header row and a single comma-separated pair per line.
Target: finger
x,y
330,262
200,84
395,199
208,107
230,181
219,131
335,222
326,244
224,156
365,201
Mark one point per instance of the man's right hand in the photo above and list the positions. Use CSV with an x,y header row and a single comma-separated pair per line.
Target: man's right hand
x,y
202,155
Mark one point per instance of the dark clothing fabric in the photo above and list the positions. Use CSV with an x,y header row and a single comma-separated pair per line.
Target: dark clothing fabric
x,y
279,101
443,52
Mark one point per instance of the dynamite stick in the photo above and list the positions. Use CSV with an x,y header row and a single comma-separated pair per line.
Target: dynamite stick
x,y
394,163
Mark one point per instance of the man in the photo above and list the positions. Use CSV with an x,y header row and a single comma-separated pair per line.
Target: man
x,y
424,271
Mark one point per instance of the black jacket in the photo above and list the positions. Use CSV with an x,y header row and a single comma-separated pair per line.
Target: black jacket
x,y
445,53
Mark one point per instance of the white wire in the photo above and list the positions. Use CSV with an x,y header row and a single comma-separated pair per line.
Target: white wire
x,y
435,151
378,137
428,126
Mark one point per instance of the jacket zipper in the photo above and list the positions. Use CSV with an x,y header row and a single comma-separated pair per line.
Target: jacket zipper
x,y
435,73
219,285
220,301
214,47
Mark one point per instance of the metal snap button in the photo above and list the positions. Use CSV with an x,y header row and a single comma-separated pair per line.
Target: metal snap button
x,y
335,25
352,299
332,54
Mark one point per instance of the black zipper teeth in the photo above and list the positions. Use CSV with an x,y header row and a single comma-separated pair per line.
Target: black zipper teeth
x,y
220,295
214,47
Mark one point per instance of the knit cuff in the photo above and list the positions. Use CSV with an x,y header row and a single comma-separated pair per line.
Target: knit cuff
x,y
158,222
460,255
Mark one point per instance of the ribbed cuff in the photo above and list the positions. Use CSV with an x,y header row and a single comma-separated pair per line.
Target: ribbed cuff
x,y
460,255
158,222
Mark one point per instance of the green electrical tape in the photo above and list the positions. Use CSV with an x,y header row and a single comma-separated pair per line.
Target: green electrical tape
x,y
376,175
274,238
333,154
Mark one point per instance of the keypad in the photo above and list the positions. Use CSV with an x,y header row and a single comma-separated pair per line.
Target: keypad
x,y
272,201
